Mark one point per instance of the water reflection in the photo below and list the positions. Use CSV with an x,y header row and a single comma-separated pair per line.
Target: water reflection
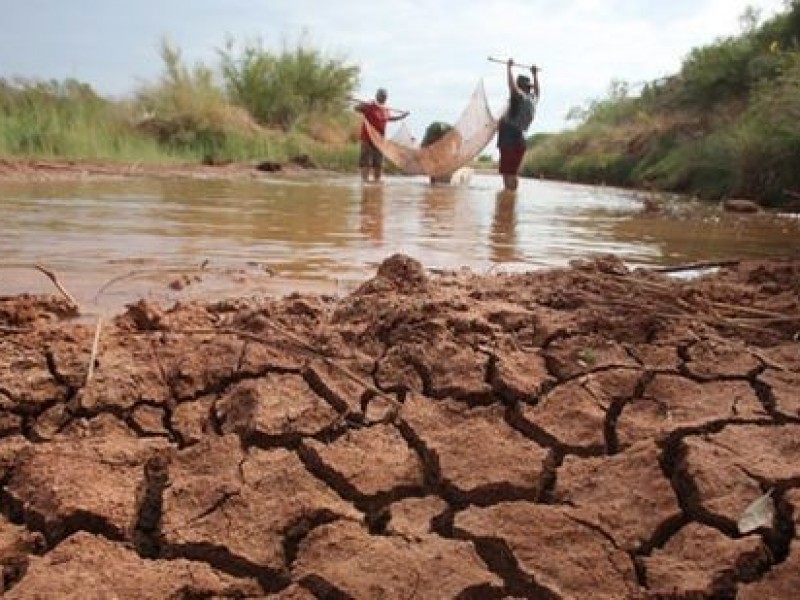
x,y
438,210
503,236
371,212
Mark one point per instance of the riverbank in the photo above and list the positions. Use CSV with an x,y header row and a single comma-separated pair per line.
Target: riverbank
x,y
587,431
32,169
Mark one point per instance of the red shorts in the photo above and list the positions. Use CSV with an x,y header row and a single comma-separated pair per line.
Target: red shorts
x,y
511,159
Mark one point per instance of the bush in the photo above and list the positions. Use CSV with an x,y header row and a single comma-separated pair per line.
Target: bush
x,y
280,90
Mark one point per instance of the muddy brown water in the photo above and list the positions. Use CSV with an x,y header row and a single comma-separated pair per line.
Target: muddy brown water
x,y
112,241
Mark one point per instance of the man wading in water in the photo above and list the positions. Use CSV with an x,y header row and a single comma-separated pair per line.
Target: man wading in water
x,y
522,102
377,114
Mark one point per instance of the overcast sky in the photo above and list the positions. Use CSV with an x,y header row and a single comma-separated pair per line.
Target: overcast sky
x,y
429,54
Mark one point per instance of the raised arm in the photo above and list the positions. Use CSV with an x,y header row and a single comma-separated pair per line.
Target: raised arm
x,y
535,87
400,116
512,84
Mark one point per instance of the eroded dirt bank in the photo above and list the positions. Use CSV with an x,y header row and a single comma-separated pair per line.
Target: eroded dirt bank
x,y
578,433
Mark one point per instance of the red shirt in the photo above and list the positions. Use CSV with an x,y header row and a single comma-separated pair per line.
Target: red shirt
x,y
377,115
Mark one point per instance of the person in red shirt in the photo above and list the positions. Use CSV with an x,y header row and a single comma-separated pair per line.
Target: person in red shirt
x,y
377,114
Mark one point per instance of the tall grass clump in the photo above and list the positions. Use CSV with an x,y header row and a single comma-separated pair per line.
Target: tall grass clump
x,y
252,107
66,119
296,89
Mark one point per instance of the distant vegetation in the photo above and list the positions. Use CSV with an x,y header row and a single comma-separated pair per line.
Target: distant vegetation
x,y
256,105
728,124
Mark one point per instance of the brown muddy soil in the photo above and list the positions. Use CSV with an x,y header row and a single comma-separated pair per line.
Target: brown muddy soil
x,y
22,169
588,432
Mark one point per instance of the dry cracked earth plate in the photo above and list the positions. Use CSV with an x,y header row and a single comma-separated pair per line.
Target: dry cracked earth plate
x,y
575,433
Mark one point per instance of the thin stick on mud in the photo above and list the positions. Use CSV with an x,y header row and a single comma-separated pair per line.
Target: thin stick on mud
x,y
52,276
697,266
95,346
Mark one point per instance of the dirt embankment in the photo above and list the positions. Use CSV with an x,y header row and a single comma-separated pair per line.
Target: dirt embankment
x,y
19,169
578,433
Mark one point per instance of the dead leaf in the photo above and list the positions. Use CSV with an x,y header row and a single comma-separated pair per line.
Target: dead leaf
x,y
759,514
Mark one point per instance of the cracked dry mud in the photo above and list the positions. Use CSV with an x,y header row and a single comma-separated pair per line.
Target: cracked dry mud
x,y
588,432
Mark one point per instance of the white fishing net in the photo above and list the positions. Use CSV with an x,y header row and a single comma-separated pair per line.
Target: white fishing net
x,y
474,129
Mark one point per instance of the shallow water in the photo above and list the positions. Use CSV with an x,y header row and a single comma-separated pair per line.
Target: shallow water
x,y
111,241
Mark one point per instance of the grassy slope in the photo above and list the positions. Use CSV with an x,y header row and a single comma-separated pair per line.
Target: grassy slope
x,y
727,124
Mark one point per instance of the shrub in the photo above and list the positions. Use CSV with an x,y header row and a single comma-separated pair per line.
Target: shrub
x,y
282,89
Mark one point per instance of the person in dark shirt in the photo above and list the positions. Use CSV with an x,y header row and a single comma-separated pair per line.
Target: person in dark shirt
x,y
522,100
377,114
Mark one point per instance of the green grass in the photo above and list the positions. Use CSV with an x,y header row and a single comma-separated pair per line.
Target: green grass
x,y
186,115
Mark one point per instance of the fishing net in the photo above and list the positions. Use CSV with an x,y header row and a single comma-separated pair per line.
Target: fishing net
x,y
458,147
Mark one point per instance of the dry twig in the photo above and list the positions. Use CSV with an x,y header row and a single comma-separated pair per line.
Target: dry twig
x,y
95,345
57,283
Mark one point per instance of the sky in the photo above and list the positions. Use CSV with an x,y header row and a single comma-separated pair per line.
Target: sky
x,y
429,54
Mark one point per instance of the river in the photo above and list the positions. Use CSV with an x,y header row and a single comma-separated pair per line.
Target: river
x,y
111,241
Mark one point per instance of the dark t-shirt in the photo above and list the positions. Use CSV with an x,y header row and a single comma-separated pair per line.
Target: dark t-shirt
x,y
516,120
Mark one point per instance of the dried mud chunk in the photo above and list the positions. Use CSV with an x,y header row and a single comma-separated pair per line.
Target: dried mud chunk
x,y
29,309
784,388
89,484
141,316
277,356
28,383
626,495
227,506
582,354
10,448
373,461
565,557
509,317
784,357
520,376
700,561
655,357
474,450
88,567
714,359
399,273
149,420
413,517
293,592
344,557
16,546
452,370
782,581
50,422
274,407
723,473
127,372
572,416
671,403
194,365
793,498
192,421
341,388
396,370
549,323
102,426
10,424
70,349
